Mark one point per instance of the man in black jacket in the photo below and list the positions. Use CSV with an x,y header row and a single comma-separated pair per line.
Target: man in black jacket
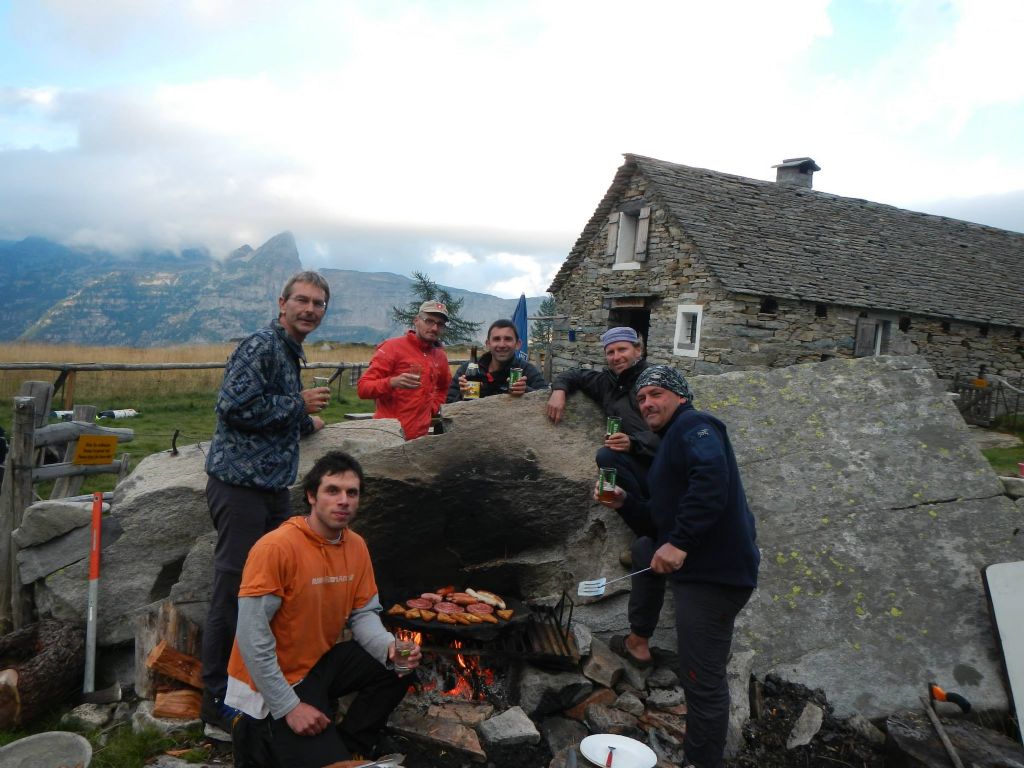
x,y
705,542
501,357
631,449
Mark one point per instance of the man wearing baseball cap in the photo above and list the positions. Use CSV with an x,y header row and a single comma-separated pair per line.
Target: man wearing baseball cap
x,y
409,375
704,541
631,449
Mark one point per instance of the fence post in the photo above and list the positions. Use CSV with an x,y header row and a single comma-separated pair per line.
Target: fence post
x,y
15,605
69,486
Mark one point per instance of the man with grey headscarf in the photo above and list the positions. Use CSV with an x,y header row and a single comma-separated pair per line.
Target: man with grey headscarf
x,y
704,541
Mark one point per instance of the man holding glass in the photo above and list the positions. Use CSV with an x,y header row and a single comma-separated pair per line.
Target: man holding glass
x,y
303,584
262,411
409,375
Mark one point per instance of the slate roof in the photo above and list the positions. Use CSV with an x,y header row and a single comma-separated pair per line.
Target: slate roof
x,y
768,239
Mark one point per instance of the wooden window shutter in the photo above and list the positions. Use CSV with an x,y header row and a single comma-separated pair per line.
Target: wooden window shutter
x,y
864,343
613,234
642,229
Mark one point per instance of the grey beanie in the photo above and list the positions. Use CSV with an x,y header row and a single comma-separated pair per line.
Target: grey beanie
x,y
664,377
622,333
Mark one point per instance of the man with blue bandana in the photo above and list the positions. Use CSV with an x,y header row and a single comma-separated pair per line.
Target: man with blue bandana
x,y
704,542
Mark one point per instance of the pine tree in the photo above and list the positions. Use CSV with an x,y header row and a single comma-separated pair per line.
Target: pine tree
x,y
540,331
425,289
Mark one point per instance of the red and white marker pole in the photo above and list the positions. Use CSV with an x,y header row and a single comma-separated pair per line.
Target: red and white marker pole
x,y
94,594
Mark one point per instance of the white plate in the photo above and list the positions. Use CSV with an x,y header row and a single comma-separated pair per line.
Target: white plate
x,y
629,753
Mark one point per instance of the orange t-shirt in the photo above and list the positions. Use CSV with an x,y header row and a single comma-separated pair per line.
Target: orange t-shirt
x,y
319,584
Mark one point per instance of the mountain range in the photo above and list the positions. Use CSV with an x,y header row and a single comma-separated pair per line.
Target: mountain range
x,y
59,294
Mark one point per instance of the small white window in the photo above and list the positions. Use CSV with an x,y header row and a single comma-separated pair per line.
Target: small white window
x,y
688,320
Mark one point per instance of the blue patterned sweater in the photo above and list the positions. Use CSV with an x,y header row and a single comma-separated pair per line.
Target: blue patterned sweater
x,y
260,413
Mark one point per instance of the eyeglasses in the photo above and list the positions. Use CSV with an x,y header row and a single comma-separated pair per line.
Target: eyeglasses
x,y
305,301
432,322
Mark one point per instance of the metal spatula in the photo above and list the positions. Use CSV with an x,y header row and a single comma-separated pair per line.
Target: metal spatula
x,y
596,587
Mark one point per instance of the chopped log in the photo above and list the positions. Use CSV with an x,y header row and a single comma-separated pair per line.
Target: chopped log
x,y
175,664
40,667
161,622
182,704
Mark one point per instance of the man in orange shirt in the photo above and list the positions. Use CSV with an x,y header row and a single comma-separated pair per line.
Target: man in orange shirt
x,y
409,375
302,584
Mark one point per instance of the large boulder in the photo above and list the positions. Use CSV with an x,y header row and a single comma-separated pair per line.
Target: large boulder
x,y
162,509
875,514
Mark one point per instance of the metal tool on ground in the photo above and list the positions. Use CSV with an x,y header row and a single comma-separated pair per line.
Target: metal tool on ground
x,y
88,685
939,729
596,587
936,693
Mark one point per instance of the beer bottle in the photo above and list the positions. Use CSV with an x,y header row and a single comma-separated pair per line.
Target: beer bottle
x,y
472,377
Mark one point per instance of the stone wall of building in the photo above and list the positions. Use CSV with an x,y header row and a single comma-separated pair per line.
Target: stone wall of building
x,y
736,334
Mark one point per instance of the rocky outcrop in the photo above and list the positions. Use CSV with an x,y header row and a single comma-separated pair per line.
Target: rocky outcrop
x,y
875,514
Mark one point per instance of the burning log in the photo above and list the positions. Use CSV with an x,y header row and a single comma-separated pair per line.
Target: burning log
x,y
40,665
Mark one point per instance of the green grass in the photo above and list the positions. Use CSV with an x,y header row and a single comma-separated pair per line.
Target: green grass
x,y
1006,461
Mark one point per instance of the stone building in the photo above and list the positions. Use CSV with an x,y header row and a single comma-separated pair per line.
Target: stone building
x,y
720,272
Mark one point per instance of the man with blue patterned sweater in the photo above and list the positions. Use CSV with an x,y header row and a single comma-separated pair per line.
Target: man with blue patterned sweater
x,y
262,411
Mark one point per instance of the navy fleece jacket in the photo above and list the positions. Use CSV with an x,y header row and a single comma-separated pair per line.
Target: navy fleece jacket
x,y
697,502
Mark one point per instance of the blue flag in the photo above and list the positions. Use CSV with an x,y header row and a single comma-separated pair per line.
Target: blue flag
x,y
519,320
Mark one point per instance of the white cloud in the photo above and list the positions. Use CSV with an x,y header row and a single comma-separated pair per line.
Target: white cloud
x,y
473,139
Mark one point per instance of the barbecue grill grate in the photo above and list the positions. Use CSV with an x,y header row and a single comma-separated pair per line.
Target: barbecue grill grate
x,y
546,639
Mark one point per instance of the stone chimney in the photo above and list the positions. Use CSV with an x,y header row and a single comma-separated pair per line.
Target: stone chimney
x,y
796,171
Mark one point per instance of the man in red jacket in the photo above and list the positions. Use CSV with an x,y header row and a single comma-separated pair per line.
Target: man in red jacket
x,y
409,375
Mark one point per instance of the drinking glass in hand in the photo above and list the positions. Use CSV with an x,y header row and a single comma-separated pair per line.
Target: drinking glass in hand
x,y
606,484
403,649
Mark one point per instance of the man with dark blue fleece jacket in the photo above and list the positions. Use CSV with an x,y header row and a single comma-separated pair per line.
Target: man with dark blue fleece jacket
x,y
704,539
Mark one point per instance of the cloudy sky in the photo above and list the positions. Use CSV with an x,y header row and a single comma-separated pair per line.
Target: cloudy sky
x,y
472,139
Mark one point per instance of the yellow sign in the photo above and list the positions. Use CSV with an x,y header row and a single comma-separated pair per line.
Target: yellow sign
x,y
95,449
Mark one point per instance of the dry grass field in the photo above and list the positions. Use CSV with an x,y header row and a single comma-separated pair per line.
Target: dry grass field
x,y
92,386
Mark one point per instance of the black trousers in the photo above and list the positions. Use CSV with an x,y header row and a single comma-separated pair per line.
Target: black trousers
x,y
647,593
343,669
241,516
705,617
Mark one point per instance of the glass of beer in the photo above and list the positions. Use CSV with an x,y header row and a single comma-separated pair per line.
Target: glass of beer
x,y
416,370
613,425
606,484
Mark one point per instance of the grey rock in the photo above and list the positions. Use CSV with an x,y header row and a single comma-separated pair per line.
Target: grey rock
x,y
87,717
602,719
509,728
628,702
806,726
635,677
46,520
143,719
603,666
543,693
864,727
561,732
71,547
581,632
738,673
55,748
662,677
664,698
1013,487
